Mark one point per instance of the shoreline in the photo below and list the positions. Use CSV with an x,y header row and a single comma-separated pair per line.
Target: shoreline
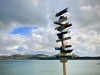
x,y
56,58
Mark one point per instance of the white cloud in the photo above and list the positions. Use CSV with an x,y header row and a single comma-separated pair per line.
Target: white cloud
x,y
21,12
35,2
84,15
86,8
80,51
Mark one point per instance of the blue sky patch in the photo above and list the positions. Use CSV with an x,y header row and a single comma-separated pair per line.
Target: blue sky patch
x,y
25,30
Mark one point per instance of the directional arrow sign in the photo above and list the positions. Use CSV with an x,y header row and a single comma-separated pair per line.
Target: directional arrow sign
x,y
59,28
69,51
57,48
58,23
68,46
61,12
62,19
67,38
68,31
60,48
63,25
66,51
62,28
66,25
61,34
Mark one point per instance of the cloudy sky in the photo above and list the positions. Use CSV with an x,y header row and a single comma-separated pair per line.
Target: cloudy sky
x,y
26,26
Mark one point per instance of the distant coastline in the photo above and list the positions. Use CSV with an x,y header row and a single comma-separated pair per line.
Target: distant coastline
x,y
44,57
75,58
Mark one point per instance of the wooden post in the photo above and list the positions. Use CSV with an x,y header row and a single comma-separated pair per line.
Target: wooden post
x,y
64,68
64,60
63,53
62,42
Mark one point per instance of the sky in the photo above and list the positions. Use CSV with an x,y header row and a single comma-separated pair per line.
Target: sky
x,y
27,26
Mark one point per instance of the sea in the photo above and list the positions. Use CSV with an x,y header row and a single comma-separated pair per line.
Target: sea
x,y
49,67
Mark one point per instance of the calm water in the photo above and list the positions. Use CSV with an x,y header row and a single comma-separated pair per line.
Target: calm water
x,y
49,67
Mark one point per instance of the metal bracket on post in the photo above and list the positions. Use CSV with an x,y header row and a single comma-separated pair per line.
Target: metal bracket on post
x,y
63,60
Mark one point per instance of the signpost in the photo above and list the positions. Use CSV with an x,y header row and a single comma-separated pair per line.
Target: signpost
x,y
64,53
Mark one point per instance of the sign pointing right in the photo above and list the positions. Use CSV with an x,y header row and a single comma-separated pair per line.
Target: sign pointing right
x,y
67,38
61,12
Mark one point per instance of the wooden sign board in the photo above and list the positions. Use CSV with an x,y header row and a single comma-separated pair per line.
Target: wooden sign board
x,y
57,48
60,35
66,51
62,19
61,12
67,46
67,38
62,27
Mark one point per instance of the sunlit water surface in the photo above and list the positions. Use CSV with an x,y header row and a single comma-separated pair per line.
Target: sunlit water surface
x,y
49,67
